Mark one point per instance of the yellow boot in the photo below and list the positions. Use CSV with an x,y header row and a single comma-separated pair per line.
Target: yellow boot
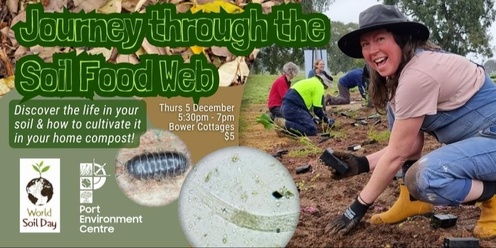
x,y
402,209
486,225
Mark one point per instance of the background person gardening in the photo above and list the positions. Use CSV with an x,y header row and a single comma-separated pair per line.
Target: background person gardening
x,y
352,79
424,90
319,70
279,88
296,104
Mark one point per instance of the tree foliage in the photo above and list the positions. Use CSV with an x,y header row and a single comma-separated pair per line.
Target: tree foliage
x,y
318,6
458,26
271,59
338,61
490,66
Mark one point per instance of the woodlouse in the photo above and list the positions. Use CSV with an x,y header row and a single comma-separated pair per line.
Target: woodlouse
x,y
157,165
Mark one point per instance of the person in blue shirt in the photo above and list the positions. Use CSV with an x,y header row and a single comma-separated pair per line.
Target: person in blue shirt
x,y
354,78
319,70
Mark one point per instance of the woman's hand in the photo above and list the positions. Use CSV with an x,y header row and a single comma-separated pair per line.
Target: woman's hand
x,y
356,165
350,218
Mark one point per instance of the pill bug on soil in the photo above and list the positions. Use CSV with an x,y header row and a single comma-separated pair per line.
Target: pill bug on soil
x,y
157,165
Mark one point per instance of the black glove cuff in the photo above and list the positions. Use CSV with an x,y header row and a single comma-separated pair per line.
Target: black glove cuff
x,y
356,209
363,164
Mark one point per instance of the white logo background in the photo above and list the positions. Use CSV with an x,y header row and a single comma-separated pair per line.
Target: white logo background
x,y
43,216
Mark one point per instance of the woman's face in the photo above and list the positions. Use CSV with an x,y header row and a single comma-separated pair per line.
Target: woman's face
x,y
381,51
320,65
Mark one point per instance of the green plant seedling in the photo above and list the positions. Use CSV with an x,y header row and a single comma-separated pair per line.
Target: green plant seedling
x,y
38,167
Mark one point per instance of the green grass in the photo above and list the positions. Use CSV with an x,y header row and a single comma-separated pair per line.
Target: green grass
x,y
309,148
243,125
378,135
258,86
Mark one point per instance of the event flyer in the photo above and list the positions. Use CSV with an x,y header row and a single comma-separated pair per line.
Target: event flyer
x,y
122,119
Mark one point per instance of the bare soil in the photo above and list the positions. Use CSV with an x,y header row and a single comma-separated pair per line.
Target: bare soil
x,y
323,199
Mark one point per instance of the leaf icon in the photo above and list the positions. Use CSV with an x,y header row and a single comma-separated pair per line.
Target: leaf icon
x,y
37,167
86,183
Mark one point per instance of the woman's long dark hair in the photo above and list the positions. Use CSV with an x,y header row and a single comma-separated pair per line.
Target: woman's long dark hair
x,y
382,89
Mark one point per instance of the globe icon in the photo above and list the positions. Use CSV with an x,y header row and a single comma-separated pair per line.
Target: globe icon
x,y
40,191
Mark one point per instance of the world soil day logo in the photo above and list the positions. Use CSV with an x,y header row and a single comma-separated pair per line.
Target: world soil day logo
x,y
39,206
40,190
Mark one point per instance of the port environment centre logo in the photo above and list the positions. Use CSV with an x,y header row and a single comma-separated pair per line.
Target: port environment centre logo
x,y
92,176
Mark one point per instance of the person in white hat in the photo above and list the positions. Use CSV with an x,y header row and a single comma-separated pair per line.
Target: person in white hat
x,y
424,90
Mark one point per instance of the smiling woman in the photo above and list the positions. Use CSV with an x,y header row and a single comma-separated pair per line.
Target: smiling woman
x,y
348,12
391,52
415,81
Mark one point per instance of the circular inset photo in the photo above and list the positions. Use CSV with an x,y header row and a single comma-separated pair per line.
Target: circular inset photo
x,y
239,197
153,173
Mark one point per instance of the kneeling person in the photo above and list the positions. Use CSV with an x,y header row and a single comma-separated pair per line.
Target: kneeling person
x,y
297,102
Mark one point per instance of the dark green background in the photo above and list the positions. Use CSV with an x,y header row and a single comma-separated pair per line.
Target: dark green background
x,y
83,118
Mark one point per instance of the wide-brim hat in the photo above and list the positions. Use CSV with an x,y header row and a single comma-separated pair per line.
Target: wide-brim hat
x,y
376,17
